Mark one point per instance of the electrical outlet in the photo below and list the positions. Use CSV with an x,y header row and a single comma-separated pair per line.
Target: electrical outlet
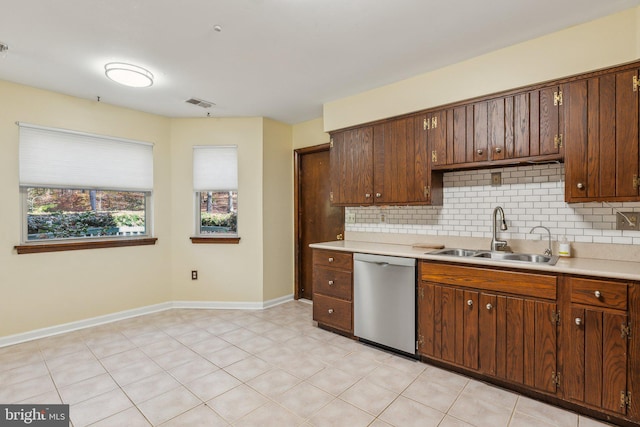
x,y
623,224
194,274
496,179
350,218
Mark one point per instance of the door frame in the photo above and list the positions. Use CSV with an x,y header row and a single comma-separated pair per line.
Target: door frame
x,y
297,154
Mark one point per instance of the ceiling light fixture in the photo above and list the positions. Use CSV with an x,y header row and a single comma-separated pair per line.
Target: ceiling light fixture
x,y
128,74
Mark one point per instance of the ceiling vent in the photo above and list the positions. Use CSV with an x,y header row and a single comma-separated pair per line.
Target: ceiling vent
x,y
200,103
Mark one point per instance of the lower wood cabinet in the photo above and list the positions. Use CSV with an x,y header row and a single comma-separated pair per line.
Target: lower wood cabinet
x,y
333,289
467,318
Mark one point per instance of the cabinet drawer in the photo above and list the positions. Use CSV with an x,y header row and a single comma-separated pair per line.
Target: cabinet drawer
x,y
333,283
333,312
342,260
599,293
513,282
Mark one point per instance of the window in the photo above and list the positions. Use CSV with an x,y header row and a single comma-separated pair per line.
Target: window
x,y
215,182
81,186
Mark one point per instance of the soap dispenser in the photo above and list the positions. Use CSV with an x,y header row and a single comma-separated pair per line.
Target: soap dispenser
x,y
564,248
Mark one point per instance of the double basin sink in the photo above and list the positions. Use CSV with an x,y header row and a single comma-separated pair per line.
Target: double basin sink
x,y
498,256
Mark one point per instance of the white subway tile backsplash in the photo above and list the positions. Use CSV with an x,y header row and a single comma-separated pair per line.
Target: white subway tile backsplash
x,y
530,195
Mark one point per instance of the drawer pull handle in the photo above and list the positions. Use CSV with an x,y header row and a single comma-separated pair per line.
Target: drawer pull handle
x,y
489,306
580,186
331,259
367,195
330,311
378,195
330,282
578,321
498,150
597,294
470,302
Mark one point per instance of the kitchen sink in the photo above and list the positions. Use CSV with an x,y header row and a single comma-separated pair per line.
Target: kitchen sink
x,y
497,256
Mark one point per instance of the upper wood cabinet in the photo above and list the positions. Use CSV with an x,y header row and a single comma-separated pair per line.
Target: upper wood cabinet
x,y
384,164
601,137
523,127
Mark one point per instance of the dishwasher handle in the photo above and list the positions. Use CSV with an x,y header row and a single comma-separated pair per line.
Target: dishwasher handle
x,y
384,261
378,263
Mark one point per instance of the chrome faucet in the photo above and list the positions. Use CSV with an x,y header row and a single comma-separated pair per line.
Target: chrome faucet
x,y
548,251
498,245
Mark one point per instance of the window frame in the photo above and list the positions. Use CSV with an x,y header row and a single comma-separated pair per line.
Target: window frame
x,y
221,237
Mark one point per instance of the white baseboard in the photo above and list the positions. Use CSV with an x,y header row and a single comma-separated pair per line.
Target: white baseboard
x,y
114,317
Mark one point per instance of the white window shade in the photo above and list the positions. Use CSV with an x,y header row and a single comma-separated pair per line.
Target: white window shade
x,y
66,159
215,168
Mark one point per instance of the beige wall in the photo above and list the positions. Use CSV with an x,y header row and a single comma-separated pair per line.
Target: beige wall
x,y
41,290
277,219
604,42
309,133
225,272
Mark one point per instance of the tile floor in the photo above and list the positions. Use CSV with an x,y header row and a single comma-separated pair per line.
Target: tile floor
x,y
250,368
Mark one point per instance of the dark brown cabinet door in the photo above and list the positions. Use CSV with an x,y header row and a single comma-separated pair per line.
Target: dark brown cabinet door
x,y
352,167
435,124
602,138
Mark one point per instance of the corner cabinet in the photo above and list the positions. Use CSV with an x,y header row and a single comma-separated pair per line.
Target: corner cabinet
x,y
333,290
602,137
502,324
384,164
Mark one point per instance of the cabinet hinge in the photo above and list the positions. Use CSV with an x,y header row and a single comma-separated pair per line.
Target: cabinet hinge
x,y
625,331
636,83
419,342
557,98
434,156
425,124
434,122
635,182
555,317
557,141
625,399
331,143
427,190
331,196
555,378
421,293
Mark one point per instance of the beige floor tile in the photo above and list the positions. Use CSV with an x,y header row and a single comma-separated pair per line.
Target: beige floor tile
x,y
248,368
478,411
449,421
304,367
192,370
270,415
103,350
168,405
135,372
124,359
227,356
63,362
330,353
520,419
161,347
261,327
150,387
77,373
334,381
237,403
176,358
50,397
274,382
357,364
490,394
409,413
379,423
23,373
391,378
339,413
62,350
194,337
369,397
23,390
98,408
436,394
209,346
238,335
128,418
304,399
200,416
220,327
87,389
213,384
17,358
546,413
255,345
280,334
405,364
590,422
148,338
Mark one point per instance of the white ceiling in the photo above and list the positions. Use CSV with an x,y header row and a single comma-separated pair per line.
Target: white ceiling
x,y
275,58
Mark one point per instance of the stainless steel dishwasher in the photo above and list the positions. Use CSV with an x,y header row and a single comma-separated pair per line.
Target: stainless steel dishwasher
x,y
384,301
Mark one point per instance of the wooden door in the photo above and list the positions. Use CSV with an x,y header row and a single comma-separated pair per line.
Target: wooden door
x,y
352,167
548,107
626,135
597,360
480,132
581,154
496,128
427,318
488,322
316,219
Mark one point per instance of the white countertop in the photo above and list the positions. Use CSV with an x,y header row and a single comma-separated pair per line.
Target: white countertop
x,y
625,270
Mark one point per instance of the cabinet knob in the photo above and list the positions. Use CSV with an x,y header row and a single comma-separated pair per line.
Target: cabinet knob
x,y
498,150
367,195
470,302
330,282
378,195
480,152
330,259
580,186
578,321
597,294
489,306
330,311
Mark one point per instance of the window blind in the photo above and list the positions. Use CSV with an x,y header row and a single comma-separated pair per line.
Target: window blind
x,y
59,158
215,168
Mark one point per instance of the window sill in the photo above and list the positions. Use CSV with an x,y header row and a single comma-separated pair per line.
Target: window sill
x,y
215,240
35,248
